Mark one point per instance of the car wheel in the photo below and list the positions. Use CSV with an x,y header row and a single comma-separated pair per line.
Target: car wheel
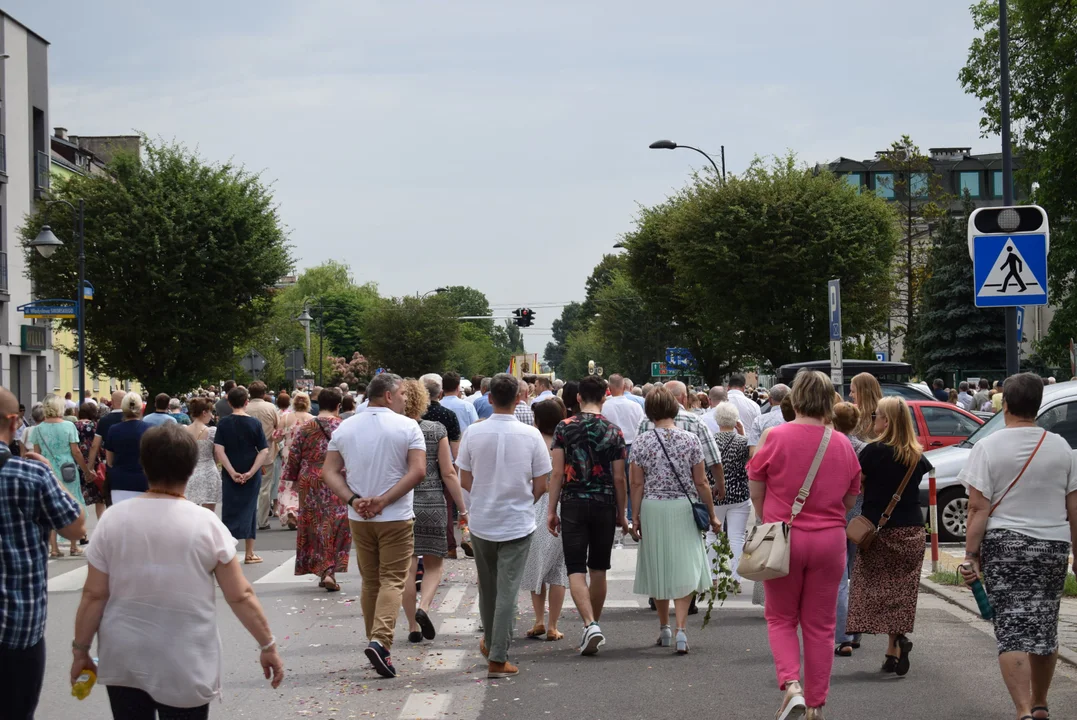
x,y
953,515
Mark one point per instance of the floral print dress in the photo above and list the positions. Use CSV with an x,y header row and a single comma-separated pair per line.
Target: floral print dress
x,y
90,492
323,538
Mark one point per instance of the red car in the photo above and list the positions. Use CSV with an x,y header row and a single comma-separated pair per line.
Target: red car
x,y
940,424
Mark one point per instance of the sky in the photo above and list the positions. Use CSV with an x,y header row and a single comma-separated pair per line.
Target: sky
x,y
501,145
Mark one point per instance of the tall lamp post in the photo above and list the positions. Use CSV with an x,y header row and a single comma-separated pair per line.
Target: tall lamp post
x,y
670,145
305,319
46,244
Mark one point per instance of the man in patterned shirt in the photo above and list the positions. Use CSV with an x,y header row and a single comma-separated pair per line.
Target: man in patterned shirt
x,y
32,503
523,406
589,481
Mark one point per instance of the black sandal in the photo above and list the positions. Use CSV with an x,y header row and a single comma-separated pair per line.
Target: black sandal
x,y
1042,708
844,650
905,647
890,664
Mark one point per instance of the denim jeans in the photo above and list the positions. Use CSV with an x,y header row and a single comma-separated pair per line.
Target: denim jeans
x,y
843,597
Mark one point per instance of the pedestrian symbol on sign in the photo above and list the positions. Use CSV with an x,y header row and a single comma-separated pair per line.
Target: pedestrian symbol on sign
x,y
1010,275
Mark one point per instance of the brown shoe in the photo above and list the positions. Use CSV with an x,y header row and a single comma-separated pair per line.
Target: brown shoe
x,y
451,554
497,671
482,648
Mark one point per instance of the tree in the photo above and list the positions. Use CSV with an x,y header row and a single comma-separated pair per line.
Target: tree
x,y
467,301
953,334
583,346
916,190
183,256
352,370
1043,43
635,335
343,317
563,327
740,269
474,353
410,336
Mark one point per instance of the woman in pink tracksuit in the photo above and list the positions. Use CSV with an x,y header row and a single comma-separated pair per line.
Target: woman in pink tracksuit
x,y
807,596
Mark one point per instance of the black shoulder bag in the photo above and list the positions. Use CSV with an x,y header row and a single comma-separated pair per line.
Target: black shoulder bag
x,y
700,513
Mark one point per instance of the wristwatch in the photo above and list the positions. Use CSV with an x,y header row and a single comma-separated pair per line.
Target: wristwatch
x,y
353,498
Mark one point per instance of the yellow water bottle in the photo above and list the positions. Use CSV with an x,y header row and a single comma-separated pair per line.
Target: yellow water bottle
x,y
82,687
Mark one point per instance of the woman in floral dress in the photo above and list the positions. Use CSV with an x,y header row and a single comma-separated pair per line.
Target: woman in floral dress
x,y
287,505
323,536
87,427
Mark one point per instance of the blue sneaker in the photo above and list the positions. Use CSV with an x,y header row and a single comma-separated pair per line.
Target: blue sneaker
x,y
380,660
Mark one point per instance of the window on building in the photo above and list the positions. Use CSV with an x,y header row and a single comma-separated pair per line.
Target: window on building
x,y
853,179
996,184
884,185
919,185
969,181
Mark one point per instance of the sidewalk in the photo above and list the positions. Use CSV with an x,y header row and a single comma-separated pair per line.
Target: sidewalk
x,y
962,596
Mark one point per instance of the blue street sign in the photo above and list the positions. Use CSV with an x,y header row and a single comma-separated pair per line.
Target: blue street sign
x,y
1020,324
833,293
880,356
680,358
87,290
1010,270
50,309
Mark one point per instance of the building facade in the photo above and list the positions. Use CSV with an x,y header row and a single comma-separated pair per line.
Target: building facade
x,y
27,358
954,171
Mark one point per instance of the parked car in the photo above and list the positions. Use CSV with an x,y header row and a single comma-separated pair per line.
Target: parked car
x,y
892,376
1058,413
940,424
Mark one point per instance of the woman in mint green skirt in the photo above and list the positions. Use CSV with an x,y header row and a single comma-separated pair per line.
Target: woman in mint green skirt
x,y
667,475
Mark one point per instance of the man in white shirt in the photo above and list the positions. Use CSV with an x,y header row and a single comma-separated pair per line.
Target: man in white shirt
x,y
748,408
385,456
543,389
503,464
771,419
620,410
451,399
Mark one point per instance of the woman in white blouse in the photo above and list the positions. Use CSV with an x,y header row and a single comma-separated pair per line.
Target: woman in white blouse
x,y
153,563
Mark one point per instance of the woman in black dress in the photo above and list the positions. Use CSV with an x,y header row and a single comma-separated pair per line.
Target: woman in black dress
x,y
241,449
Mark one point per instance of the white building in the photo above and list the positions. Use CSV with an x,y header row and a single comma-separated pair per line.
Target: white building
x,y
27,359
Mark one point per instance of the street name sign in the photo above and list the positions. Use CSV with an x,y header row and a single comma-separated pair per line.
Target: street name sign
x,y
1009,247
51,309
833,295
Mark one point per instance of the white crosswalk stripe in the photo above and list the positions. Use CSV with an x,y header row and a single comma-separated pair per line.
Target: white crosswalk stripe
x,y
426,706
284,574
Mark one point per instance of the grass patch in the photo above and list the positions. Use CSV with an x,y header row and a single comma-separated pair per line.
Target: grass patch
x,y
947,577
1071,586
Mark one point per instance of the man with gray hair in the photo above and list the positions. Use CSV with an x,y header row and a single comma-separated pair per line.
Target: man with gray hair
x,y
633,393
384,453
964,396
717,395
439,414
771,419
483,408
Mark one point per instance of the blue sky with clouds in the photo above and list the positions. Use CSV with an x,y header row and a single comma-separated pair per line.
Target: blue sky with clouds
x,y
501,145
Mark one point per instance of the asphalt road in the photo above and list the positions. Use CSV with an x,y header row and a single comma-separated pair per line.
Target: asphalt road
x,y
728,674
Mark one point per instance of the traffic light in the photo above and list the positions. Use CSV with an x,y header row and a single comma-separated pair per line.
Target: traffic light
x,y
524,317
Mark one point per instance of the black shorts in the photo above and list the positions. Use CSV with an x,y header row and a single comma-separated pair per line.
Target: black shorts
x,y
587,531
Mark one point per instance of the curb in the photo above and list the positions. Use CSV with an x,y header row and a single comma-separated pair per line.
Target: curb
x,y
958,598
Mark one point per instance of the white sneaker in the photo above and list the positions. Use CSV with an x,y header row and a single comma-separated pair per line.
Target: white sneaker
x,y
592,639
793,706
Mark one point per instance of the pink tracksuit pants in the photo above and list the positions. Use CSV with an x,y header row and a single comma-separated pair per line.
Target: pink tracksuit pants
x,y
807,597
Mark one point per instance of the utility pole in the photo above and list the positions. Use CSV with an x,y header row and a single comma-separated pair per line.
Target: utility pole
x,y
1013,343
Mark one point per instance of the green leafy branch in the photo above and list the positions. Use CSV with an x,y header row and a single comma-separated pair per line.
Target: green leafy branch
x,y
722,570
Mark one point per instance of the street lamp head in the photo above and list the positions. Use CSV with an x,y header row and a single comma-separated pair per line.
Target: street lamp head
x,y
663,145
305,318
46,242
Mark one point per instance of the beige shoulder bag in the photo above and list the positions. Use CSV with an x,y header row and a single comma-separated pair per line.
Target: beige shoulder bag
x,y
766,551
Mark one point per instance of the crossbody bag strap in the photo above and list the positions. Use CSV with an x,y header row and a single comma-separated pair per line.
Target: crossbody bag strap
x,y
676,475
885,518
802,496
1027,462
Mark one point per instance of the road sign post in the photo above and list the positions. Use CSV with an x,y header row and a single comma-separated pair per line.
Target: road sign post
x,y
833,293
1009,247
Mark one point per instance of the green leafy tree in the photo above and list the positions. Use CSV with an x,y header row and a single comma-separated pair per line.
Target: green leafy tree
x,y
635,335
563,327
467,301
1043,45
343,317
953,333
583,346
742,268
410,336
183,255
474,353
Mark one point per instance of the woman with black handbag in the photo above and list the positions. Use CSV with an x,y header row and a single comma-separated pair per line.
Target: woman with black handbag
x,y
886,574
669,486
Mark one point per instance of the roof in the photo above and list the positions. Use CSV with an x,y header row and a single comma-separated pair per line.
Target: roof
x,y
849,368
23,26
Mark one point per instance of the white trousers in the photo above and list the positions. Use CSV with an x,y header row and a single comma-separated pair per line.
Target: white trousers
x,y
734,519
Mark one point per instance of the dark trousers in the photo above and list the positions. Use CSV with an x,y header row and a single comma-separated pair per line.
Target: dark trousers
x,y
133,704
22,672
450,526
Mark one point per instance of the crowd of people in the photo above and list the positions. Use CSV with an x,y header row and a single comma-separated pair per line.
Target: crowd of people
x,y
541,479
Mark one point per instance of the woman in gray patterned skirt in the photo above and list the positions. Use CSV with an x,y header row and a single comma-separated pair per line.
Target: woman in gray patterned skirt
x,y
1022,483
431,515
545,572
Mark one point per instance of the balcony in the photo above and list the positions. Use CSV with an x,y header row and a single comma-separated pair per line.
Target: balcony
x,y
3,154
41,176
3,272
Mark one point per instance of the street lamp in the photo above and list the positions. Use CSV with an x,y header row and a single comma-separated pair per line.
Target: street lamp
x,y
670,145
435,291
305,319
46,244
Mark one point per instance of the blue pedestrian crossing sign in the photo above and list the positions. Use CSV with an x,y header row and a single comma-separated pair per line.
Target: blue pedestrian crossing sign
x,y
1009,256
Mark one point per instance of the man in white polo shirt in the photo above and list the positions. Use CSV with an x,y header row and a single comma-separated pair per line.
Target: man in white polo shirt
x,y
620,410
385,456
504,465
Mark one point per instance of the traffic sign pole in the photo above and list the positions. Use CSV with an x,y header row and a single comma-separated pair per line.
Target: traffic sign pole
x,y
833,295
1013,342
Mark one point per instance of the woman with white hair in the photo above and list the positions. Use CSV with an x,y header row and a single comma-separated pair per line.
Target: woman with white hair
x,y
732,511
122,447
58,442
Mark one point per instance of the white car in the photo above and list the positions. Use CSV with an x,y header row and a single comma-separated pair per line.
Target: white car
x,y
1058,413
